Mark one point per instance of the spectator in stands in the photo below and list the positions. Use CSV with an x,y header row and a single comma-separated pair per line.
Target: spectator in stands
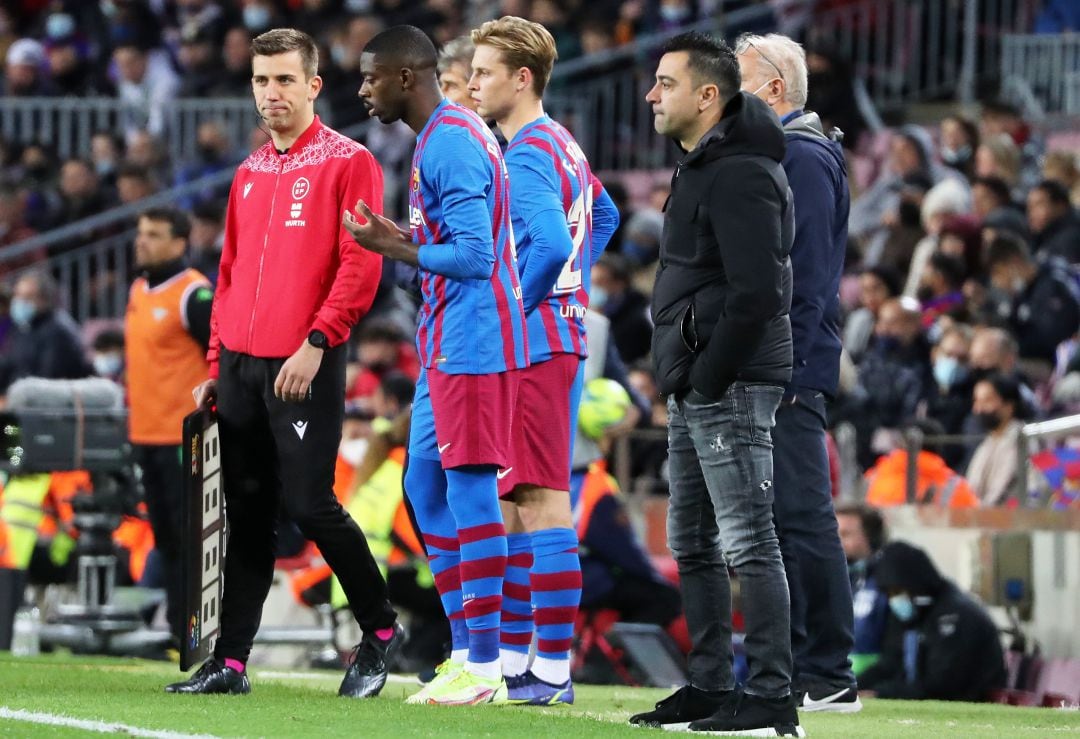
x,y
641,242
455,69
260,16
25,70
198,60
1062,166
13,228
940,291
940,643
346,44
46,342
960,238
1040,304
105,155
393,396
895,374
999,409
234,78
382,347
995,350
910,151
950,401
624,306
999,117
81,193
207,237
948,198
862,534
959,140
831,93
876,285
935,483
72,72
1006,221
133,183
107,355
214,155
39,168
1054,224
999,156
147,84
988,194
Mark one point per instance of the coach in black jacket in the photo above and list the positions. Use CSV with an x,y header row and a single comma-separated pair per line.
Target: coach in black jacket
x,y
722,354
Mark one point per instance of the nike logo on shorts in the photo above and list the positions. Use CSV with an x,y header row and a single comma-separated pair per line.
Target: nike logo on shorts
x,y
444,447
503,473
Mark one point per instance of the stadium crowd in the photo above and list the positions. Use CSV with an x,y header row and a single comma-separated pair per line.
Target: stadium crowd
x,y
960,293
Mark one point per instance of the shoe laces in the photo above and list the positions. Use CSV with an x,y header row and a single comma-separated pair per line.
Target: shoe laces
x,y
367,652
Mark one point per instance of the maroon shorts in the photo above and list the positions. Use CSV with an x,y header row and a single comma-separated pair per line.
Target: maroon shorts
x,y
542,433
472,416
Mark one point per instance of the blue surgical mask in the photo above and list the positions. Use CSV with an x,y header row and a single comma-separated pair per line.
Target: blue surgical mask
x,y
945,370
108,365
59,25
256,17
598,297
902,607
21,311
887,344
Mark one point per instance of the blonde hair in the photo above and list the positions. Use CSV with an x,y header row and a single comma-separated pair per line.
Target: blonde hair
x,y
522,43
787,55
1006,154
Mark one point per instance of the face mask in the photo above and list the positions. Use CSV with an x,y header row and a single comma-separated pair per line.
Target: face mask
x,y
353,451
956,156
358,6
988,421
924,293
945,370
1018,285
598,297
256,17
902,607
21,311
108,365
104,169
673,13
909,213
339,54
108,8
207,153
59,25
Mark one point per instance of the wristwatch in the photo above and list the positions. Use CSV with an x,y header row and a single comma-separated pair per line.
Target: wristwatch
x,y
318,340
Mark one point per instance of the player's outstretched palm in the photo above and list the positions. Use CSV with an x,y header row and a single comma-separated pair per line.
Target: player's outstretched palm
x,y
377,233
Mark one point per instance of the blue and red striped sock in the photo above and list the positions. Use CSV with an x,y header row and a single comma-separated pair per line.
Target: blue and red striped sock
x,y
556,586
472,493
517,615
425,484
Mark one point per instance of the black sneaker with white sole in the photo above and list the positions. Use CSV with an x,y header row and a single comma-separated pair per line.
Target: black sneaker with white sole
x,y
753,716
685,705
829,699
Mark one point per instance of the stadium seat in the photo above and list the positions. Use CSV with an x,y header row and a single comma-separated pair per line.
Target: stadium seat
x,y
591,628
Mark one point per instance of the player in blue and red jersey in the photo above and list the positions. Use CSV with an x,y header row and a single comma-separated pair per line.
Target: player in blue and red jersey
x,y
563,219
472,344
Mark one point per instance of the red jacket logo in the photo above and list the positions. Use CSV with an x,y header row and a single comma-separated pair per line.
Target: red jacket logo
x,y
300,188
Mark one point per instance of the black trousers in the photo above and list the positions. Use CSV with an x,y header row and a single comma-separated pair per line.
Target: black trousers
x,y
163,483
276,453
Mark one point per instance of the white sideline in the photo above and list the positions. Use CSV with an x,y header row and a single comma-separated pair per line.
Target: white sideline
x,y
277,675
102,727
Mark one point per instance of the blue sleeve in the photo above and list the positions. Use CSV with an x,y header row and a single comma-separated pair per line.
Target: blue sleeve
x,y
605,219
460,173
536,199
814,196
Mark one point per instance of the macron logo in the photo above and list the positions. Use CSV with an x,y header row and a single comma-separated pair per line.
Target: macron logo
x,y
503,473
247,189
444,447
300,427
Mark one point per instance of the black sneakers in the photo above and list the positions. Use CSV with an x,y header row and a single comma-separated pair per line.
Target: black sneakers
x,y
754,716
366,675
213,677
829,699
685,705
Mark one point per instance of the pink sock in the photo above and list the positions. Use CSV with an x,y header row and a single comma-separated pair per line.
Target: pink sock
x,y
384,634
234,664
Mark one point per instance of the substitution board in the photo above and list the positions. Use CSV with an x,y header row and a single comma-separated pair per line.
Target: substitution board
x,y
203,537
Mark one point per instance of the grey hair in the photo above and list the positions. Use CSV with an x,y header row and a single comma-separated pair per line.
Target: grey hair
x,y
456,51
47,289
787,55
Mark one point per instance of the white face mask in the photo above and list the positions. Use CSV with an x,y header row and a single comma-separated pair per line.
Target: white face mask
x,y
353,450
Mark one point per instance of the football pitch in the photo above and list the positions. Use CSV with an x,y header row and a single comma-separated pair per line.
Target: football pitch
x,y
65,696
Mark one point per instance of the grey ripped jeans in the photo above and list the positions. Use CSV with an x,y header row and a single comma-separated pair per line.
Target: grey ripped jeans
x,y
720,515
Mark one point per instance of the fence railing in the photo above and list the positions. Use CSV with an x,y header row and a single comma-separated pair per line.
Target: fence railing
x,y
67,124
921,49
1047,66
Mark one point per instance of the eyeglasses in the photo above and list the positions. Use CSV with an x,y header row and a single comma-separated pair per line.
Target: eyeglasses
x,y
744,44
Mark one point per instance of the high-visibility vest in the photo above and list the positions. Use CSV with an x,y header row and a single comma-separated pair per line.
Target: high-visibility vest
x,y
595,486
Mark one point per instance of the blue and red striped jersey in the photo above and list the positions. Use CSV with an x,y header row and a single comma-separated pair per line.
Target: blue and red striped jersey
x,y
471,320
550,175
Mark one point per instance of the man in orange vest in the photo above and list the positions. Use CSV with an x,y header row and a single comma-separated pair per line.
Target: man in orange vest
x,y
167,332
935,483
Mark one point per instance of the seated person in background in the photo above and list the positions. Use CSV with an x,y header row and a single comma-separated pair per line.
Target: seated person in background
x,y
935,483
998,409
862,534
940,643
382,347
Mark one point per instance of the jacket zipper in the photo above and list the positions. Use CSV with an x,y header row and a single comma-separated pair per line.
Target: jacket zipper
x,y
262,257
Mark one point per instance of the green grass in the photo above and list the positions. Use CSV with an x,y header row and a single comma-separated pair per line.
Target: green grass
x,y
129,692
